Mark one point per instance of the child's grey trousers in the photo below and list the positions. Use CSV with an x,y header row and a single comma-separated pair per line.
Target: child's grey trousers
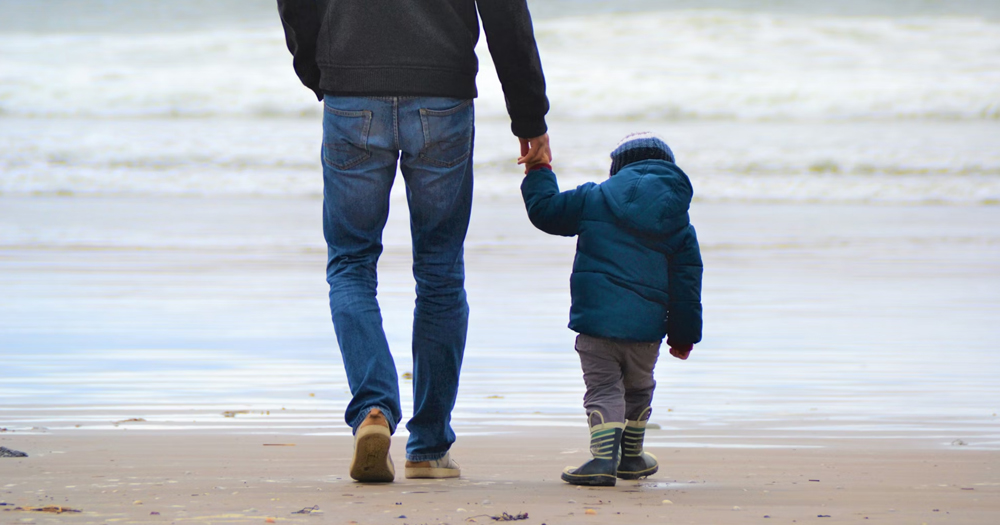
x,y
618,375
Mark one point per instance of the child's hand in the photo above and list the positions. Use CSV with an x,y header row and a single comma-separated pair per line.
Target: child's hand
x,y
681,352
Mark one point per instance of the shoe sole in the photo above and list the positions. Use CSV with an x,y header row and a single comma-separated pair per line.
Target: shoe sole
x,y
371,462
638,475
592,480
432,473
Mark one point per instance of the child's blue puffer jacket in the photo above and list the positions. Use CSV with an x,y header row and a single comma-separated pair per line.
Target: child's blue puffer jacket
x,y
637,273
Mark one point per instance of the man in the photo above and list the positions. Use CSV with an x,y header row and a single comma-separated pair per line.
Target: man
x,y
397,78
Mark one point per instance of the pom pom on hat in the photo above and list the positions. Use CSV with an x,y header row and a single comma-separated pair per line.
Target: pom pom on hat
x,y
639,146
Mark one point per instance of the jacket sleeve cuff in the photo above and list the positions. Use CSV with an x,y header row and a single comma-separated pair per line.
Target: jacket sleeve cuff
x,y
529,128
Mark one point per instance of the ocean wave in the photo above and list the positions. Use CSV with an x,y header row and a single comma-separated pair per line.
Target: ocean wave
x,y
885,184
658,112
667,65
952,161
46,167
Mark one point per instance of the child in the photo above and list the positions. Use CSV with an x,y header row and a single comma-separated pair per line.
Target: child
x,y
636,278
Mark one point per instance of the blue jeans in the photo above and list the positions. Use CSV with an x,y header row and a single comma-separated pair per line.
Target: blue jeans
x,y
431,139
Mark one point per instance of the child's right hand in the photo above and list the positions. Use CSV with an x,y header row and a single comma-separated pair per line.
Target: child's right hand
x,y
681,352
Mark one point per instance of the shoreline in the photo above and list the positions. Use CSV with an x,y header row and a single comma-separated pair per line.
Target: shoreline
x,y
793,431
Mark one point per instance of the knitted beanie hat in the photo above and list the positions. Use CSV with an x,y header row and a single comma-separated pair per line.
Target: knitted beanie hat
x,y
639,146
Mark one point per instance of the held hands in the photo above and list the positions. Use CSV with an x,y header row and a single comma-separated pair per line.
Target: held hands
x,y
681,352
534,152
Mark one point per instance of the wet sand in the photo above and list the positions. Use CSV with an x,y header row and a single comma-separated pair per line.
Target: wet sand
x,y
850,344
191,478
836,321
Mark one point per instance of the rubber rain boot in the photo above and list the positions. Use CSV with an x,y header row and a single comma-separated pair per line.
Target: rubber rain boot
x,y
636,463
605,446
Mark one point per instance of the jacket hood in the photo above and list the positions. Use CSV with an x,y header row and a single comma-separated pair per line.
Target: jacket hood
x,y
651,196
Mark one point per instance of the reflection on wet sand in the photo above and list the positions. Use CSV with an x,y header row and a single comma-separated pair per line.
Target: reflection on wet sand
x,y
823,323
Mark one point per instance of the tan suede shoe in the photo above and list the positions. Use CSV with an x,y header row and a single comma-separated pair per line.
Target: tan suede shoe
x,y
371,461
444,467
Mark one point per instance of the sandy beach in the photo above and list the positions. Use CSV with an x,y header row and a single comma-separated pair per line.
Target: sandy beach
x,y
140,478
206,318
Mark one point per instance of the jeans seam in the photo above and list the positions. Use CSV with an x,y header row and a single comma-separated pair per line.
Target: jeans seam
x,y
395,122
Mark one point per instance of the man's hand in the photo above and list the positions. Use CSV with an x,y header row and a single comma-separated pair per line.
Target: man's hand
x,y
681,352
535,151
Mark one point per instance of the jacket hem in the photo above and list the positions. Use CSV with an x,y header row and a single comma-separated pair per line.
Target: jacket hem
x,y
397,81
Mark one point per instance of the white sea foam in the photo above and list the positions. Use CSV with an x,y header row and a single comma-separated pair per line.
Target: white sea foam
x,y
671,64
916,161
697,64
757,106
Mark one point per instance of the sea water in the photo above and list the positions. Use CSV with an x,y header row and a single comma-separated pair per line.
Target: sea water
x,y
160,253
891,101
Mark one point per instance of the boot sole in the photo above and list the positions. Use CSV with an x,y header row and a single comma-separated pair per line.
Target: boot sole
x,y
638,475
590,480
432,473
371,462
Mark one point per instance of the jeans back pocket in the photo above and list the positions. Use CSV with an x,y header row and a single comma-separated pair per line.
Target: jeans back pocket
x,y
345,137
447,134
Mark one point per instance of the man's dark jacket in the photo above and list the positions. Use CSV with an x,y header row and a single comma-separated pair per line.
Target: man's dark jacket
x,y
637,273
418,48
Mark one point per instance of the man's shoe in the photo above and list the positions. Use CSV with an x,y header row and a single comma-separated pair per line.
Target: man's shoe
x,y
636,463
371,461
445,467
605,446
